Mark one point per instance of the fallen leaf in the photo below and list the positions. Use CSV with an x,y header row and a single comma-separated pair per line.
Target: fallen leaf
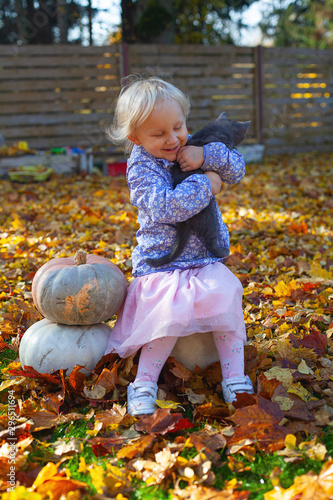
x,y
162,422
193,397
166,404
138,447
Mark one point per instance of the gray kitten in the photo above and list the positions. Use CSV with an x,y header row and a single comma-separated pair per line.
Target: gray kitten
x,y
205,223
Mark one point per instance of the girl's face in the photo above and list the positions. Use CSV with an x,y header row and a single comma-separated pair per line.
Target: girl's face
x,y
163,132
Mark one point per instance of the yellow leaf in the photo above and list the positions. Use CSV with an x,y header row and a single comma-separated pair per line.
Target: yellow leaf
x,y
150,480
283,290
182,461
99,193
20,493
318,272
231,484
97,427
16,223
97,474
284,403
166,404
307,487
283,375
10,382
299,390
188,443
290,441
284,328
277,303
91,220
313,450
82,465
115,472
317,452
47,472
276,494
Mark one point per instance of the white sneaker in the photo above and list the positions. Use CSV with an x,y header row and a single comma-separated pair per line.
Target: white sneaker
x,y
233,385
141,398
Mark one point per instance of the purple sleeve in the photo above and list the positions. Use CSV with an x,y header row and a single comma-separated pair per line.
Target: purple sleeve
x,y
230,165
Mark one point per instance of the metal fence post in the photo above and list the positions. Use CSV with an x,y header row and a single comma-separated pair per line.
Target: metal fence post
x,y
123,60
259,89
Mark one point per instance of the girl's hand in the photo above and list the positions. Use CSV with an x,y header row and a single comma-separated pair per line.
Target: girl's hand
x,y
190,157
215,181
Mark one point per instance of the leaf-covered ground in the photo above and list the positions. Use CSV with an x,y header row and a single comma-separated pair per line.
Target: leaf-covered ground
x,y
275,445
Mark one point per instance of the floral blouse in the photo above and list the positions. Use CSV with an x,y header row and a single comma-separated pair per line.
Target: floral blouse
x,y
160,206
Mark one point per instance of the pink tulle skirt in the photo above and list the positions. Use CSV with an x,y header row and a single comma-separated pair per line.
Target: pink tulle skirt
x,y
178,303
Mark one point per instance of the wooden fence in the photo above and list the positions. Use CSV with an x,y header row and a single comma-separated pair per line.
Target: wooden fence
x,y
64,95
52,95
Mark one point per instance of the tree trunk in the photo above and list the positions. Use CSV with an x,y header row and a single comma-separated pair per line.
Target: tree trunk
x,y
29,28
62,20
43,24
89,9
128,10
20,19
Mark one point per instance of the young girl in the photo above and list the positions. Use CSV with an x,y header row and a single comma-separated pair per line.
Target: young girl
x,y
196,292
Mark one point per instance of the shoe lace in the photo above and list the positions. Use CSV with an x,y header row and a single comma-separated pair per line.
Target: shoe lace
x,y
144,391
238,384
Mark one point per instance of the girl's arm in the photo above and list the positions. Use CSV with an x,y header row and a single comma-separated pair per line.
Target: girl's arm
x,y
214,157
229,164
153,194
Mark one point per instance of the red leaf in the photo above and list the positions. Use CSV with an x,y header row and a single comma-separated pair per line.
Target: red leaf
x,y
316,341
160,422
181,424
99,450
30,372
307,287
3,345
76,379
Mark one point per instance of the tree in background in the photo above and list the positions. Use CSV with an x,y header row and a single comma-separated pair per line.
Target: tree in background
x,y
179,21
303,23
43,21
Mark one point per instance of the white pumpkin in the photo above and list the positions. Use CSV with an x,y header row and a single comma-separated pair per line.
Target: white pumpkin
x,y
80,290
196,349
48,346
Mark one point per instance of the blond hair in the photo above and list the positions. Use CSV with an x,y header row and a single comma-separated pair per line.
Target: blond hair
x,y
135,103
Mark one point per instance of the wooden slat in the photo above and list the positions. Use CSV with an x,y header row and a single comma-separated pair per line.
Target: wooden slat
x,y
58,61
59,107
60,94
58,49
191,48
47,73
49,130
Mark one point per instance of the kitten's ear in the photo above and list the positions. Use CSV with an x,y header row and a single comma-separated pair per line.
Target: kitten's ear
x,y
245,126
222,116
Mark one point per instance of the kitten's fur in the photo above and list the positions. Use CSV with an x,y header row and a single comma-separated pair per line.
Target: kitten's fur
x,y
205,223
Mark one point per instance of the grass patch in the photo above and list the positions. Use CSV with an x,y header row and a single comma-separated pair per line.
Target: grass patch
x,y
327,440
256,476
40,454
77,429
144,492
73,465
7,356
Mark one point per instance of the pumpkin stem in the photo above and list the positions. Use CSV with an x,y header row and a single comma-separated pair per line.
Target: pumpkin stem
x,y
80,257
